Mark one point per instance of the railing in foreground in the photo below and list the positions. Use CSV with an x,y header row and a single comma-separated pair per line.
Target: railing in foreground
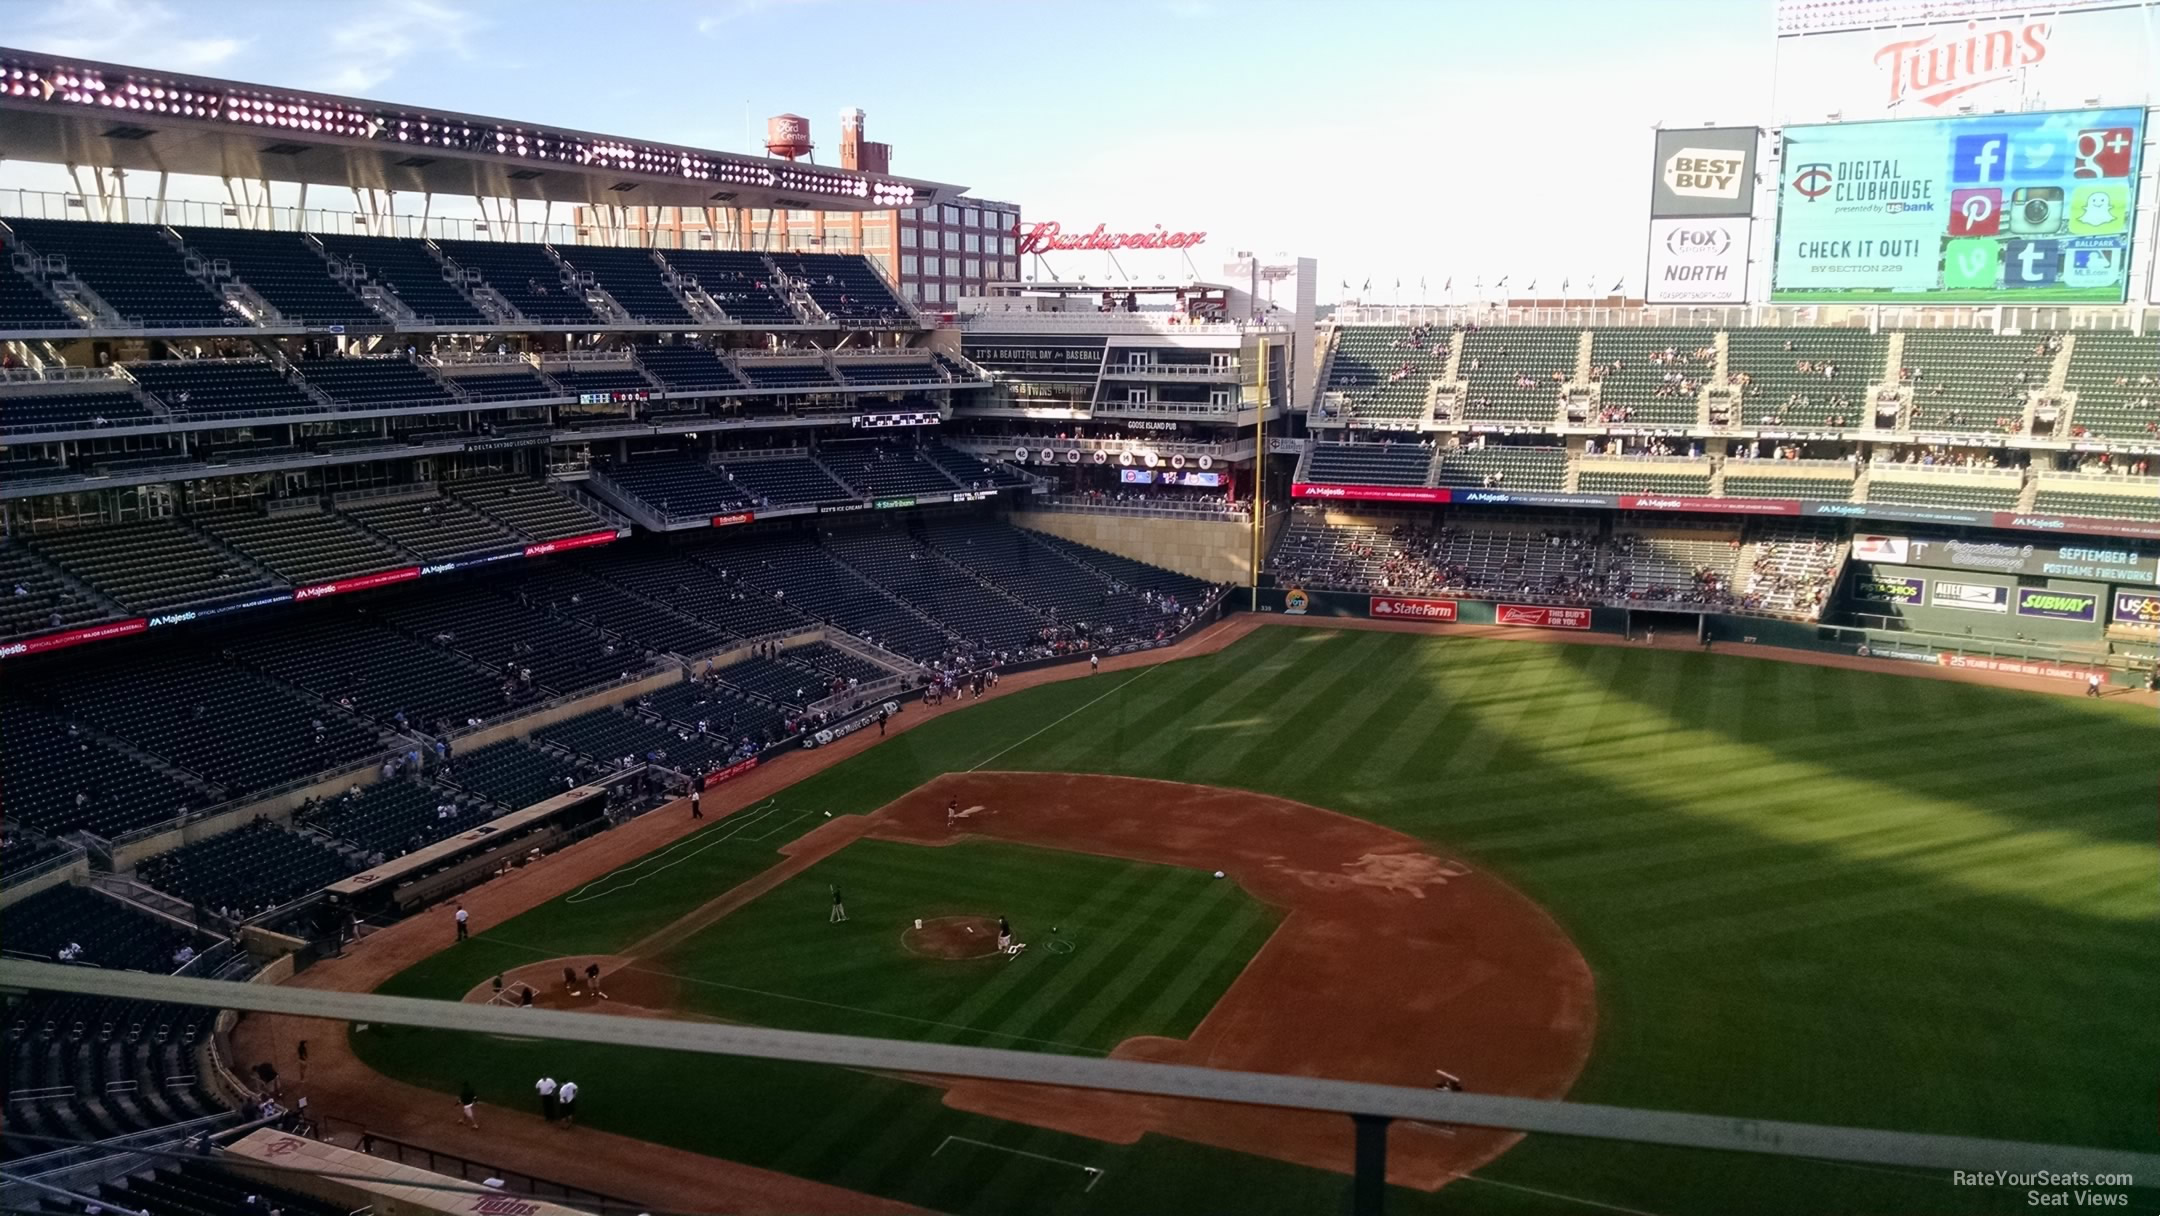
x,y
1371,1106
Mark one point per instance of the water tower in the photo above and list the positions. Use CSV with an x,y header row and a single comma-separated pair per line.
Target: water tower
x,y
787,136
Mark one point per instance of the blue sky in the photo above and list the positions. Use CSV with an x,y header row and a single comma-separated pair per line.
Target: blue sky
x,y
1407,138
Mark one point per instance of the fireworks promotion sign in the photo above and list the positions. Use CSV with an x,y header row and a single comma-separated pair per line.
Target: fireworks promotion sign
x,y
2022,208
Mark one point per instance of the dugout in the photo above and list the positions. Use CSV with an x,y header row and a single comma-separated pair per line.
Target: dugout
x,y
426,875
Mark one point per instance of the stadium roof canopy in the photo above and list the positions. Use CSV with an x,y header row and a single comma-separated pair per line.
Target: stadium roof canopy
x,y
55,110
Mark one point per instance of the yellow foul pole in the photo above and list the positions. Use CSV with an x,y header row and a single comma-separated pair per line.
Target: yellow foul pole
x,y
1259,429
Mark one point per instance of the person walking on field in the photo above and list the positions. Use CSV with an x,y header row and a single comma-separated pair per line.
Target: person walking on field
x,y
2092,684
1094,663
566,1102
839,908
695,813
461,916
546,1089
467,1099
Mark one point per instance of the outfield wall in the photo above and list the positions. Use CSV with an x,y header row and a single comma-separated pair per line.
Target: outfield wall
x,y
1981,603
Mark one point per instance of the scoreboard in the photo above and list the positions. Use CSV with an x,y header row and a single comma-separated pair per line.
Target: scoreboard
x,y
1995,208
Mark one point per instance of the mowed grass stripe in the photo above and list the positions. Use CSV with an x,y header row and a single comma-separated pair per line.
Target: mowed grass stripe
x,y
1185,946
1348,686
1184,984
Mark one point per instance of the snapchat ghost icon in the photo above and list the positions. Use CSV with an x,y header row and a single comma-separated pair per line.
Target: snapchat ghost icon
x,y
2098,210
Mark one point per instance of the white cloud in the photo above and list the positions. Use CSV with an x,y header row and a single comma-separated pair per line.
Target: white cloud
x,y
731,11
135,32
370,48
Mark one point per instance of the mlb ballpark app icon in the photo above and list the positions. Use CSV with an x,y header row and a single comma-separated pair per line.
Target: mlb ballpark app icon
x,y
1969,264
2032,263
1976,212
2099,210
2097,264
1979,158
2104,152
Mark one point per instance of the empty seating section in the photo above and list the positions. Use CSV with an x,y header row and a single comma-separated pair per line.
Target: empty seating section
x,y
524,276
1673,565
252,869
302,547
283,269
606,736
1652,377
194,1188
1981,377
2110,503
2116,377
34,598
1775,391
1515,468
806,577
640,624
880,470
406,270
633,279
596,378
220,387
395,817
111,934
844,285
511,774
371,671
139,273
899,564
763,374
708,592
677,485
830,659
432,528
503,635
740,723
225,725
1376,464
740,283
1788,569
53,410
375,384
85,1068
1973,493
20,850
151,566
507,384
1127,574
60,780
788,481
536,509
1384,371
688,369
1515,375
777,680
22,305
970,472
1756,485
1619,479
1040,577
879,371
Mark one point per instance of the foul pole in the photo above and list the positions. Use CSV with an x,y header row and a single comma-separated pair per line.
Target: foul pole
x,y
1259,481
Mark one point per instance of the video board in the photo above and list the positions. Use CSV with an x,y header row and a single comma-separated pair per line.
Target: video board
x,y
1995,208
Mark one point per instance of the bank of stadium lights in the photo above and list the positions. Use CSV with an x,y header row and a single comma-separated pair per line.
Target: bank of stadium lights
x,y
314,115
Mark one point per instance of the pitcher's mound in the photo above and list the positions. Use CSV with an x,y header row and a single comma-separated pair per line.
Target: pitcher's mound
x,y
953,937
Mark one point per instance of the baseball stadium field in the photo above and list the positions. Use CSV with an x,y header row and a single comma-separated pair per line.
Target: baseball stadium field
x,y
1646,877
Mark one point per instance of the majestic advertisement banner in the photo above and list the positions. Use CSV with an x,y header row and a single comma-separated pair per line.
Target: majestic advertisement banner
x,y
363,582
2022,208
1704,172
733,519
1883,589
586,541
1972,597
1541,616
1998,63
1715,506
1391,608
1698,261
2136,608
1358,493
2058,605
73,637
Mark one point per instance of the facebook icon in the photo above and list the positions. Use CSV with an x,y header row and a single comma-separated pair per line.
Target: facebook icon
x,y
1978,159
2032,263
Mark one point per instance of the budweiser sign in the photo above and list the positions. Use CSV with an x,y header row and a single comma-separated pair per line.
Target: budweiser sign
x,y
1387,608
1940,68
1051,237
1541,616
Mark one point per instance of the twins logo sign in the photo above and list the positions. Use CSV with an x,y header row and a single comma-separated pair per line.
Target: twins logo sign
x,y
1812,181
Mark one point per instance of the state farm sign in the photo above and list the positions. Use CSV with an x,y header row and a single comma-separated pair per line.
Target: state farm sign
x,y
1541,616
1411,610
1050,237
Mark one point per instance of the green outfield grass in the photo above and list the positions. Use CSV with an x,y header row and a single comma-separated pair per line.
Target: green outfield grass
x,y
1806,893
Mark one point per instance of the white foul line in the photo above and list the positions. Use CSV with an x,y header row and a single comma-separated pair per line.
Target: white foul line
x,y
1094,1175
1076,709
720,832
